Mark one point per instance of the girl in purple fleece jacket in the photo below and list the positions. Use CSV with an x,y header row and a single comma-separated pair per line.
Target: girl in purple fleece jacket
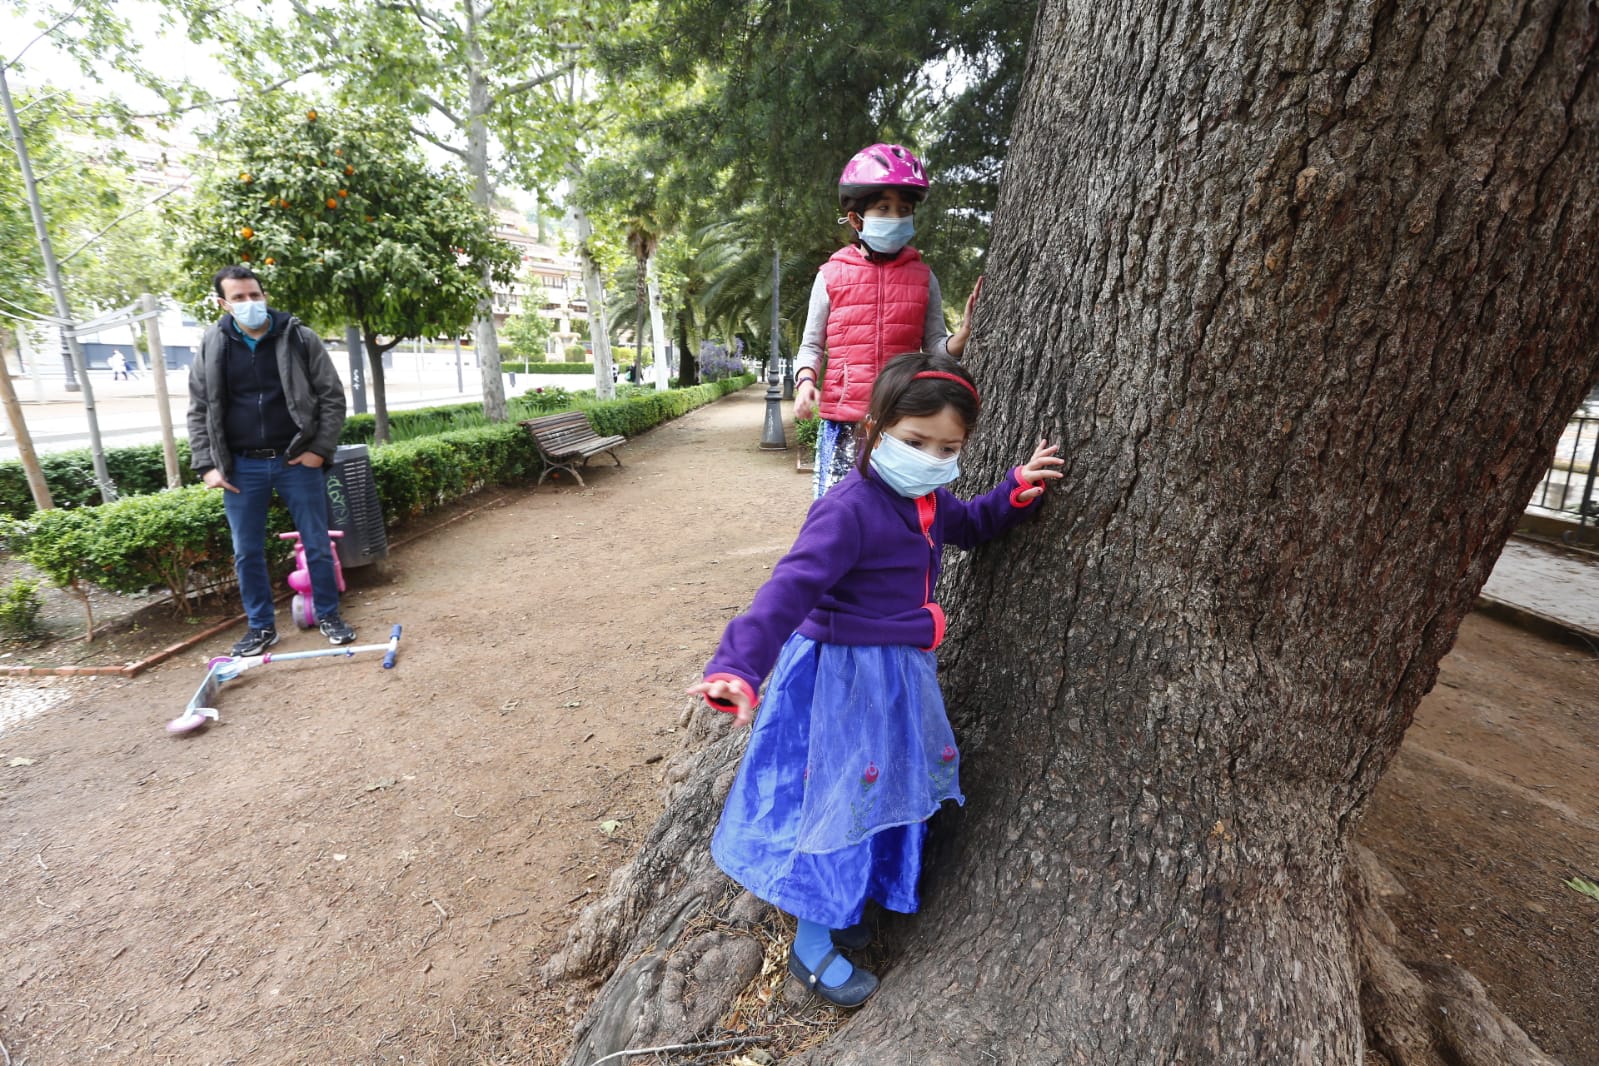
x,y
853,751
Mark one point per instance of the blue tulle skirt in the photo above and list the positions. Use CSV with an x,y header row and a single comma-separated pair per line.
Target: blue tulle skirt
x,y
850,754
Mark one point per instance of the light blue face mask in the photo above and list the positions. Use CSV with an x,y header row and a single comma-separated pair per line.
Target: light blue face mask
x,y
911,471
887,235
249,314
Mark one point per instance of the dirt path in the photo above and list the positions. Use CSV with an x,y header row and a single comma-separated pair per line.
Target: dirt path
x,y
365,866
359,866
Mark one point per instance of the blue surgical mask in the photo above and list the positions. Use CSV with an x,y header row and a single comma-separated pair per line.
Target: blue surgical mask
x,y
249,314
887,235
911,471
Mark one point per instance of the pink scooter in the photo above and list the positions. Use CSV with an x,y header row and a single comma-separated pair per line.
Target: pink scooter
x,y
303,609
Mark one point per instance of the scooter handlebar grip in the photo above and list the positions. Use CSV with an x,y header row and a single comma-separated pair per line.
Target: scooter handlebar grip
x,y
388,656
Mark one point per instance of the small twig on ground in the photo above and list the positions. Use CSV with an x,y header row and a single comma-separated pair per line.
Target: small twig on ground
x,y
443,917
190,971
507,914
4,1054
469,817
706,1045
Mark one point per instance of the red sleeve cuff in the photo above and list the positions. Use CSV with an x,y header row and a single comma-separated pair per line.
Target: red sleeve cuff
x,y
1021,487
731,708
938,624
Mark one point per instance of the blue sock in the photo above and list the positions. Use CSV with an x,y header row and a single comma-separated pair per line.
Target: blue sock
x,y
812,942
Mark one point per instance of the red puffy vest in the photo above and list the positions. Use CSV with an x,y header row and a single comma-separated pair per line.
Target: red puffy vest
x,y
875,312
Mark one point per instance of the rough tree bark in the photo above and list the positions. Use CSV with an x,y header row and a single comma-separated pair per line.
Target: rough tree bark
x,y
1307,293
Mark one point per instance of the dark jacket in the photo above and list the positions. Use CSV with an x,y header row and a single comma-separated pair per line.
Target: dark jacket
x,y
312,391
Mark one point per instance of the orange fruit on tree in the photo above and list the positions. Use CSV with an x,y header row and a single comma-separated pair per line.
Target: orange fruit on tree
x,y
269,261
247,233
310,116
348,170
332,202
244,257
344,192
246,178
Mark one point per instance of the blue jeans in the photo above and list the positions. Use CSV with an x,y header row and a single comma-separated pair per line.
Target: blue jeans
x,y
304,492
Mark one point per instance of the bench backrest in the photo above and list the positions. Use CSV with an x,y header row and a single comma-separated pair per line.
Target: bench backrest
x,y
566,424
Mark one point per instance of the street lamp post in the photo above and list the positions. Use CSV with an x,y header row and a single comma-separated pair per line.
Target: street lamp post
x,y
772,438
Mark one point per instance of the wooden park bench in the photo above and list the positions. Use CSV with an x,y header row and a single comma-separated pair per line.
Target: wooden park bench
x,y
564,439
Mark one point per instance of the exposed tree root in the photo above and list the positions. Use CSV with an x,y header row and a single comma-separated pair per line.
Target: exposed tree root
x,y
1422,1013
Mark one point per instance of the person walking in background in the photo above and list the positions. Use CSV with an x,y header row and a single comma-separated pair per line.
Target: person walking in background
x,y
265,409
872,300
118,364
853,752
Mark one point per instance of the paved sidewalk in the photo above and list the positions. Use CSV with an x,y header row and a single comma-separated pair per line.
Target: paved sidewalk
x,y
1544,588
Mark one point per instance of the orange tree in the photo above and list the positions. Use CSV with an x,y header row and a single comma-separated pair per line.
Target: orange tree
x,y
344,222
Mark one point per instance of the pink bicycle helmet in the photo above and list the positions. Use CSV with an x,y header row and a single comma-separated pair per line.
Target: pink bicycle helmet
x,y
882,166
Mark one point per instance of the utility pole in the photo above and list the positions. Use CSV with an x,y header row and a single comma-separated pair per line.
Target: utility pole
x,y
102,476
353,342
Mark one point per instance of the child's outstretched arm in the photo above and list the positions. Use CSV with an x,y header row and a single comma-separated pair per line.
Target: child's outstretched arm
x,y
1036,469
726,695
968,523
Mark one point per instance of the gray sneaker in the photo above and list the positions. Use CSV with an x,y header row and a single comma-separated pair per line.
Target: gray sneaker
x,y
254,642
336,629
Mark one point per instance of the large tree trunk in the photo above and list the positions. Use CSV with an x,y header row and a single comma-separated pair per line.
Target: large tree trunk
x,y
379,384
1307,294
479,101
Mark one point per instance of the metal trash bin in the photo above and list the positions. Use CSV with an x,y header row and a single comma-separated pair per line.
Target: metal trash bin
x,y
354,508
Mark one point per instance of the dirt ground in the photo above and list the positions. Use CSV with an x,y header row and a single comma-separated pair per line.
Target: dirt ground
x,y
366,866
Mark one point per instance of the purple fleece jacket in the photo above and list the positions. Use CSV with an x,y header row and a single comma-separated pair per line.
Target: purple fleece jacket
x,y
862,571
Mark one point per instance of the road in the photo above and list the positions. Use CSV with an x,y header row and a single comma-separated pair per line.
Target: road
x,y
127,410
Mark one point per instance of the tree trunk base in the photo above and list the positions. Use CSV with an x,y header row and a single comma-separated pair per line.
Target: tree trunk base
x,y
689,956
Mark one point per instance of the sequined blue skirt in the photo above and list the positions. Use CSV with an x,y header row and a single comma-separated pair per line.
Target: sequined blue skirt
x,y
851,752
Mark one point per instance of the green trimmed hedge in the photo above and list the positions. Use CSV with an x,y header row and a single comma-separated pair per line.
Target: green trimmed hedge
x,y
514,366
359,429
135,470
178,539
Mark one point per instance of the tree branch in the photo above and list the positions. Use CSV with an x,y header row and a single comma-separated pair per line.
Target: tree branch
x,y
274,87
62,21
118,221
438,106
426,136
427,18
529,83
41,99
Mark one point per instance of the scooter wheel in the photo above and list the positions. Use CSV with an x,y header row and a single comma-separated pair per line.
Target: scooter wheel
x,y
301,607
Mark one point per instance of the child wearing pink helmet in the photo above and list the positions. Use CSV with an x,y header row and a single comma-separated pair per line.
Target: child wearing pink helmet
x,y
872,300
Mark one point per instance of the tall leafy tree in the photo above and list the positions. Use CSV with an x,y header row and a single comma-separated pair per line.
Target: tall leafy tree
x,y
345,222
1324,297
771,99
480,80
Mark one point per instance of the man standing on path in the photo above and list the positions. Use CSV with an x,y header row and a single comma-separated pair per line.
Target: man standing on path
x,y
265,410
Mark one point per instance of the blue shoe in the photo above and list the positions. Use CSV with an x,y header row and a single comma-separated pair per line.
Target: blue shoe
x,y
852,993
854,938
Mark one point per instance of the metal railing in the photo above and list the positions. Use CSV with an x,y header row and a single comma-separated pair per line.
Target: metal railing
x,y
1568,489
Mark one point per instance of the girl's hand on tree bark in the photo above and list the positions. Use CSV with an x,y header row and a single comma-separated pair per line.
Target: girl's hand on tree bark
x,y
956,345
1037,468
719,692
